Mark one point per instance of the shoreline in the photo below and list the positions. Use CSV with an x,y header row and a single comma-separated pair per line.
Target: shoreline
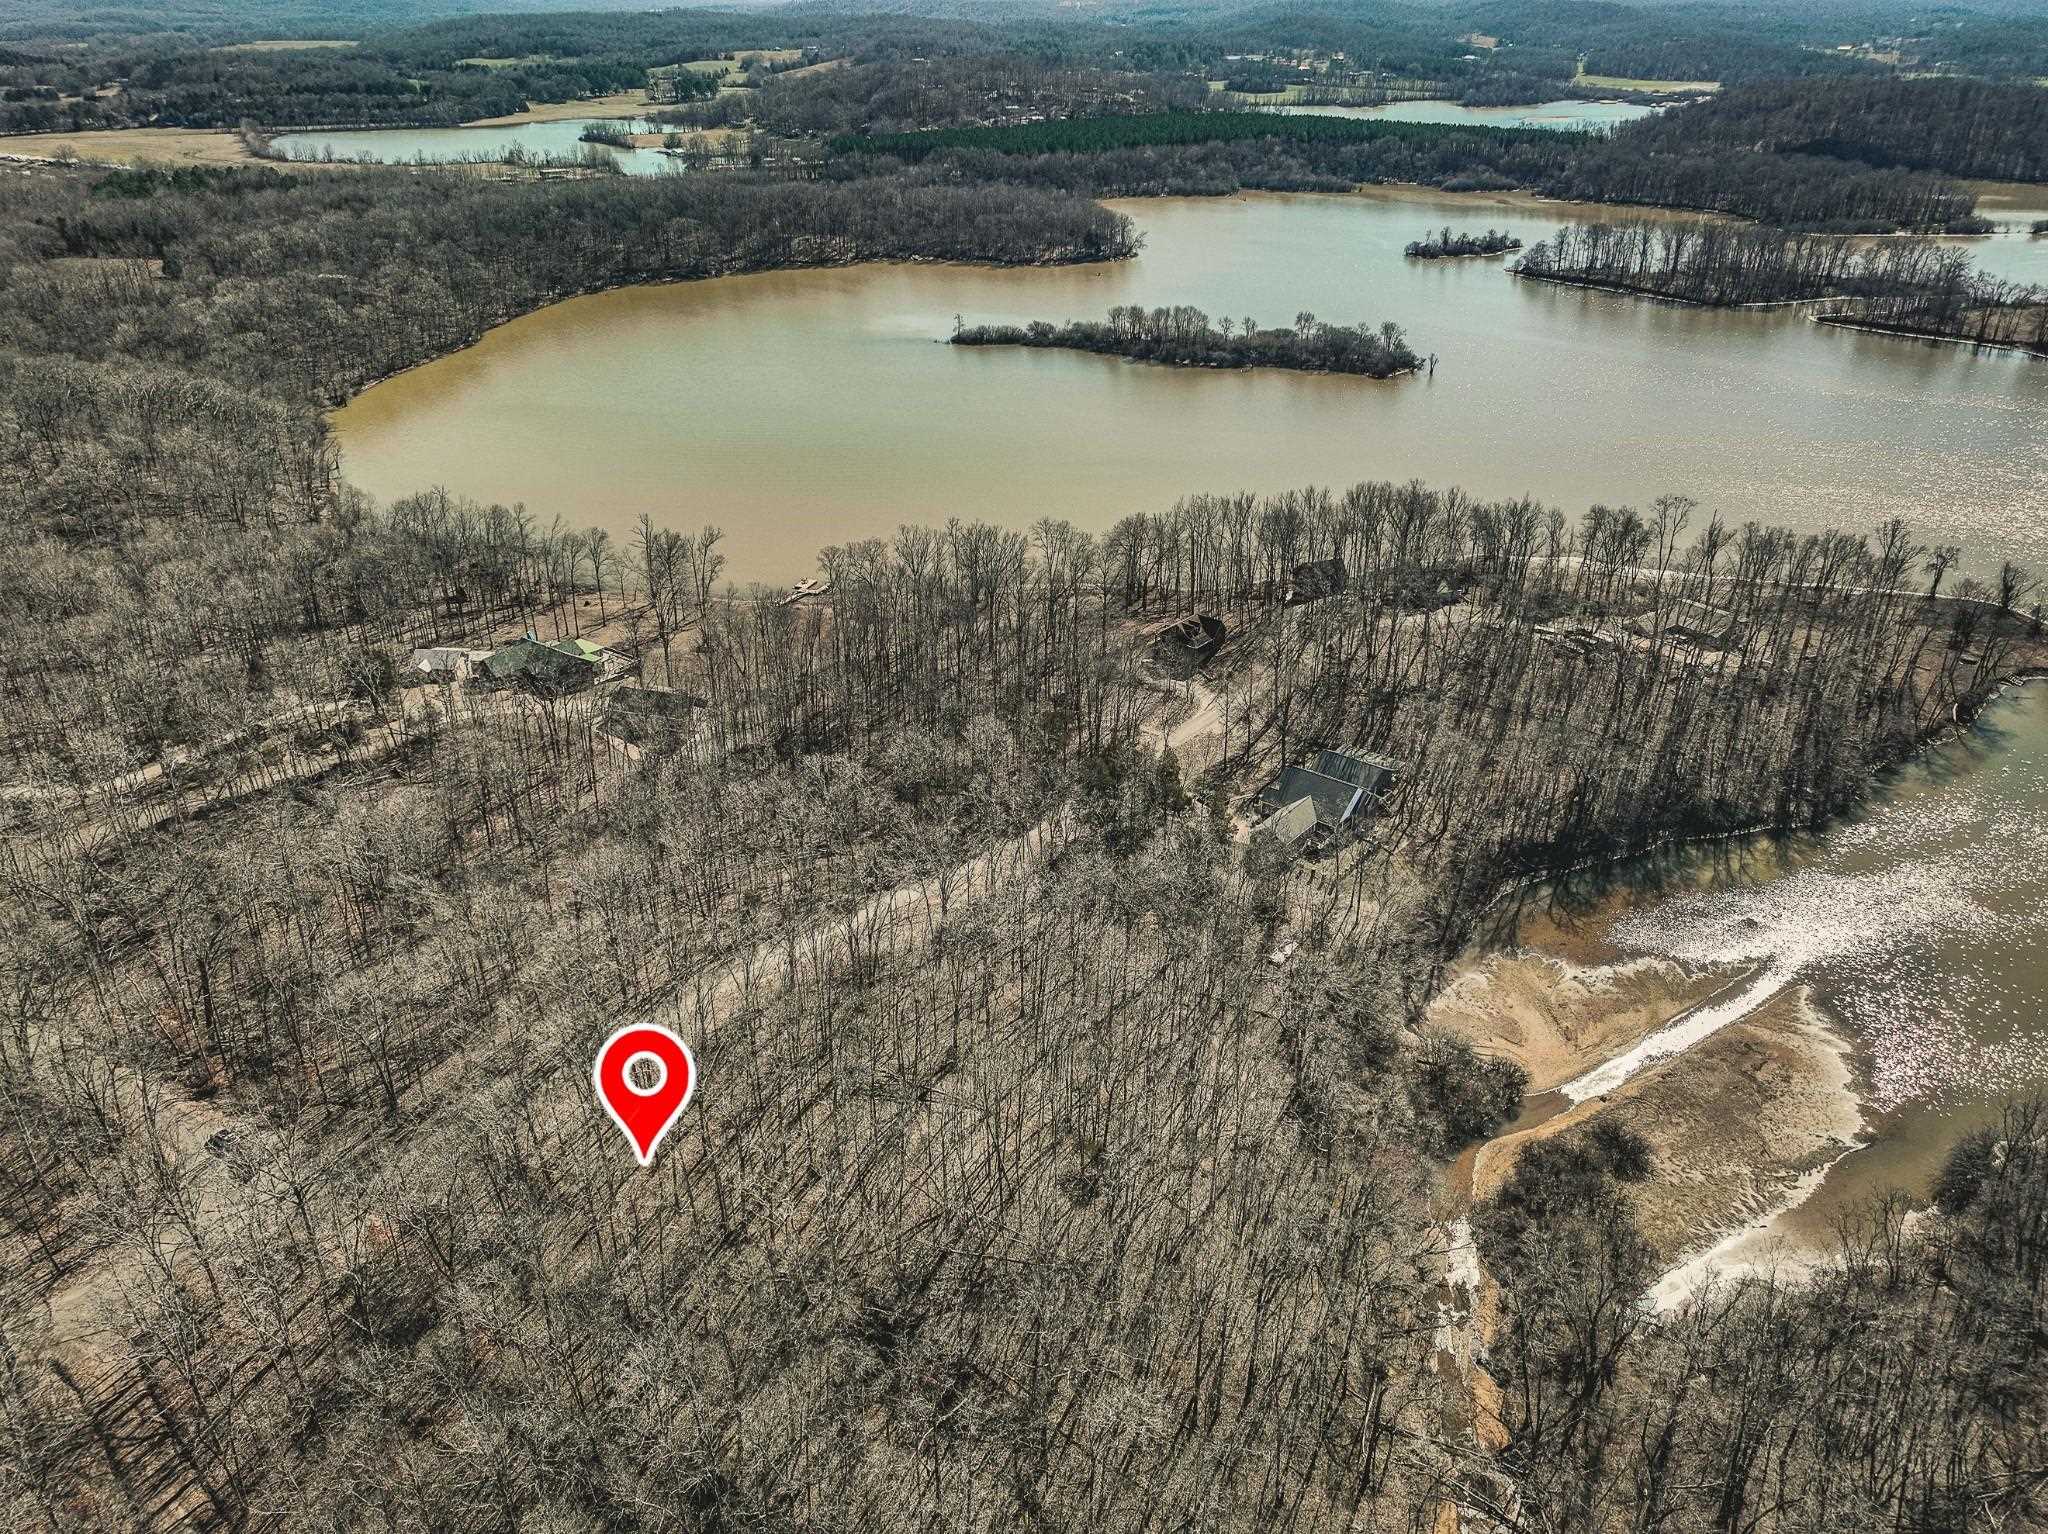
x,y
1834,321
1815,1118
1391,191
1758,1059
1905,333
598,290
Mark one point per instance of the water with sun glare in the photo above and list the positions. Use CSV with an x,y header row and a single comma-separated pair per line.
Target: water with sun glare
x,y
1922,930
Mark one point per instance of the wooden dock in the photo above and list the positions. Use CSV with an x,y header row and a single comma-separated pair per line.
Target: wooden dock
x,y
815,587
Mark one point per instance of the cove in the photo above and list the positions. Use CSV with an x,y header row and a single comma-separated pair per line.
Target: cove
x,y
1555,116
1919,928
797,409
440,146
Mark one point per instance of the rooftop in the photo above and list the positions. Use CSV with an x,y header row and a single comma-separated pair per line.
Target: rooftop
x,y
1332,798
1291,822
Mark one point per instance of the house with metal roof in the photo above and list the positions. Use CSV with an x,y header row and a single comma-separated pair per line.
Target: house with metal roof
x,y
1339,789
1374,774
1316,579
1291,824
550,666
441,663
1698,624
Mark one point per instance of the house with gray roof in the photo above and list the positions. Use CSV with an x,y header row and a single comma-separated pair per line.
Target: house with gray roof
x,y
441,663
1291,824
1339,790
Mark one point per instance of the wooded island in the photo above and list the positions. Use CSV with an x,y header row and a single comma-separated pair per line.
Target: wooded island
x,y
1185,337
1444,244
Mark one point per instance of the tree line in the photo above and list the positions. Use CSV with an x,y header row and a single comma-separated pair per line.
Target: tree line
x,y
1997,131
1185,336
1445,244
325,87
903,95
1912,286
1212,153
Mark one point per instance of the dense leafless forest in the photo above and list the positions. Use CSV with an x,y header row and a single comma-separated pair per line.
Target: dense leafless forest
x,y
1021,1187
1964,127
1026,1187
1213,153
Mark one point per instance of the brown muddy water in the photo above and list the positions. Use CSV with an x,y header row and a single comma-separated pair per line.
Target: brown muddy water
x,y
1918,928
797,409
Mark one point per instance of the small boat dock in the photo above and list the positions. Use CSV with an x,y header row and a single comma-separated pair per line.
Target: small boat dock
x,y
815,587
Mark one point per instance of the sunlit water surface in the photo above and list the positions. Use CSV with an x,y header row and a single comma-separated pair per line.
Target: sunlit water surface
x,y
1921,929
1554,115
409,146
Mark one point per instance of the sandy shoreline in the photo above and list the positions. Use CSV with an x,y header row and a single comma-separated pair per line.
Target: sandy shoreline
x,y
1744,1091
1556,1018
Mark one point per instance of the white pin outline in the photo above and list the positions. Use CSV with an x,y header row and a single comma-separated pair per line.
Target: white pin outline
x,y
597,1084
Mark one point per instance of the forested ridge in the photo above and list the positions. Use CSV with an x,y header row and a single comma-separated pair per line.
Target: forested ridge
x,y
326,87
1219,152
1958,127
168,64
897,94
405,268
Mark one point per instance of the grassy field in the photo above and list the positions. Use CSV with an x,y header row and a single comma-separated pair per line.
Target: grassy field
x,y
285,44
1623,83
134,146
618,104
718,68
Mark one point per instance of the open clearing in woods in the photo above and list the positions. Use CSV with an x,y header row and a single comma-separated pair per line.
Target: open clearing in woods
x,y
134,146
617,104
287,44
1661,87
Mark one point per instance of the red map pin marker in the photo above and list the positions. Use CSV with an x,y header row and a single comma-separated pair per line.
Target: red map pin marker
x,y
645,1116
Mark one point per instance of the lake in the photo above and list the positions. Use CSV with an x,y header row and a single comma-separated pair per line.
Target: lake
x,y
1558,116
796,409
410,146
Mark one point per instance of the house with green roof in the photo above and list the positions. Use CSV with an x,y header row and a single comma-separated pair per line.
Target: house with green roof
x,y
550,666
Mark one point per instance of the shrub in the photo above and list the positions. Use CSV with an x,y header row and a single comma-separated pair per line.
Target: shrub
x,y
1955,1190
1469,1096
